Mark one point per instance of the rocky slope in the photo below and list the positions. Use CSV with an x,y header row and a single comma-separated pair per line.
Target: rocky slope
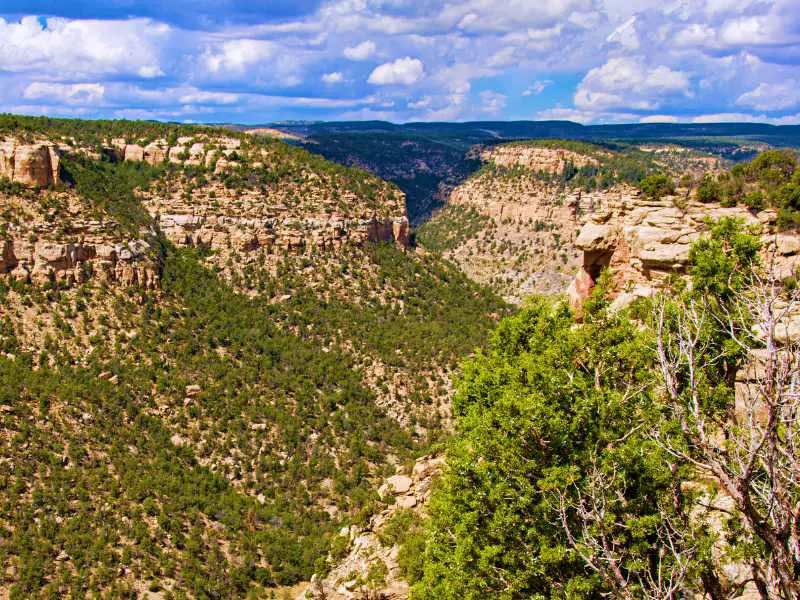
x,y
213,349
517,224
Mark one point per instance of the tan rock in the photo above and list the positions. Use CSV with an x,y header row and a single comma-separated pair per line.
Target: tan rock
x,y
32,166
664,255
580,289
594,237
787,245
400,484
154,154
134,152
7,159
406,501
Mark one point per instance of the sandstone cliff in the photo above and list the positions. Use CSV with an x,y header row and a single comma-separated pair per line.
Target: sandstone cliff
x,y
32,165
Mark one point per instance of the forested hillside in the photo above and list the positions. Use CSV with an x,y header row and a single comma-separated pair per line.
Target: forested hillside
x,y
211,357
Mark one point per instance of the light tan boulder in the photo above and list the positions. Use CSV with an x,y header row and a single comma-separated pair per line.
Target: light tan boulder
x,y
664,255
7,160
177,153
400,484
787,245
134,152
580,289
154,154
33,166
594,237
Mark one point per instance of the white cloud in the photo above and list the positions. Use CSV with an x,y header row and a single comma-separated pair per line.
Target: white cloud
x,y
238,55
76,93
660,119
492,102
362,51
201,97
625,35
537,88
772,96
332,78
629,83
403,71
79,49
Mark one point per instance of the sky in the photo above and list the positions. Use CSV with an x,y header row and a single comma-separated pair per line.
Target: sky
x,y
261,61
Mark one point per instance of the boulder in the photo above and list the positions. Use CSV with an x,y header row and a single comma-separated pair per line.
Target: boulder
x,y
594,237
787,245
177,153
154,154
134,152
664,255
406,501
7,160
580,289
400,484
33,166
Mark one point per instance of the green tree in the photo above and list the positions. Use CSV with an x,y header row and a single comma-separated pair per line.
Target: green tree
x,y
545,412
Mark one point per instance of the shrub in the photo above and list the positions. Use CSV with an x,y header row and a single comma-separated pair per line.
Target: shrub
x,y
657,186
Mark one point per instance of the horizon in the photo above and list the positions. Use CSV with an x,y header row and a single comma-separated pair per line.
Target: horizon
x,y
585,61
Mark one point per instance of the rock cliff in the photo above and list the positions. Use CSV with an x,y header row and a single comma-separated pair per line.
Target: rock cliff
x,y
32,165
643,242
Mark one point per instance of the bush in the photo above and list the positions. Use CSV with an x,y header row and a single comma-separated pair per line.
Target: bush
x,y
709,190
657,186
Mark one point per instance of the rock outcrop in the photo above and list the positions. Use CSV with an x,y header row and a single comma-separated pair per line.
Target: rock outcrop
x,y
536,158
32,165
48,261
643,242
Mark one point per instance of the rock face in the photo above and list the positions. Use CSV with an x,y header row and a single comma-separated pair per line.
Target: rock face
x,y
643,242
536,158
46,261
32,165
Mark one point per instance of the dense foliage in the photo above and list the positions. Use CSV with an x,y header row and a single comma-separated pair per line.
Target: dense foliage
x,y
588,459
534,413
450,226
151,471
771,179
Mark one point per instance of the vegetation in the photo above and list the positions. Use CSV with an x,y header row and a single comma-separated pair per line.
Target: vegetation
x,y
450,227
587,460
657,186
612,164
111,188
771,179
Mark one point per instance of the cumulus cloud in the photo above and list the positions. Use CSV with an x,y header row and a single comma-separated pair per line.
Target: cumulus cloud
x,y
629,83
238,55
772,96
403,71
76,93
333,78
641,59
65,49
362,51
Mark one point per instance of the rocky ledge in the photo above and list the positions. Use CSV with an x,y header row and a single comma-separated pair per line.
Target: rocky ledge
x,y
643,242
32,165
48,261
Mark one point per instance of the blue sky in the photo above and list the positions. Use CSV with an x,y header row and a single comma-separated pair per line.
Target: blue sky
x,y
256,61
